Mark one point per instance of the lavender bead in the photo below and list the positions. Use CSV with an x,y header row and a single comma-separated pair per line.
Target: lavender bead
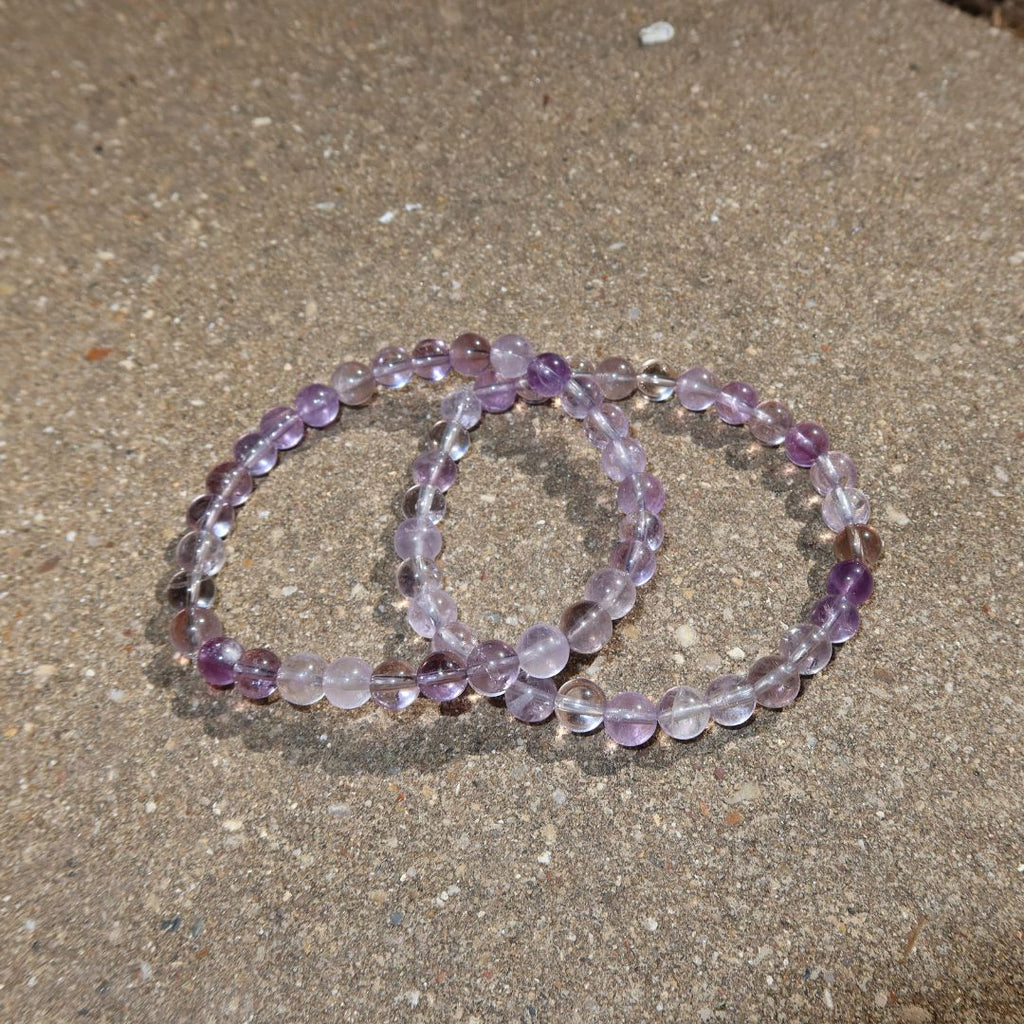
x,y
832,470
581,395
456,637
431,359
211,512
805,442
530,700
318,405
527,394
655,381
510,356
353,382
436,469
697,389
232,481
192,627
424,500
683,713
417,538
547,374
845,506
470,355
462,407
543,651
255,673
283,426
616,377
623,457
417,574
201,552
635,559
450,438
495,394
392,367
630,719
300,679
807,648
579,705
839,616
256,452
393,685
605,424
775,682
852,580
640,491
613,590
730,700
736,402
587,627
429,610
216,660
492,666
769,423
181,593
646,528
347,683
442,676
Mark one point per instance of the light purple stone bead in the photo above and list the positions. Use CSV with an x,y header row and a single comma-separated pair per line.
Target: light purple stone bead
x,y
839,616
231,480
776,683
436,469
417,574
736,402
470,354
456,637
431,359
630,719
805,441
635,559
510,356
730,700
697,389
431,609
462,407
300,679
623,457
318,405
492,666
392,367
211,512
442,676
581,395
283,426
192,627
530,700
613,590
495,394
646,528
543,651
845,506
548,374
616,377
417,538
216,660
424,500
255,673
683,713
852,580
641,490
393,685
605,424
353,383
807,648
832,470
587,627
527,394
347,683
769,422
202,552
256,452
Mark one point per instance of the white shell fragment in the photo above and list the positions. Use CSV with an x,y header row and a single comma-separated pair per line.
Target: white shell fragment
x,y
659,32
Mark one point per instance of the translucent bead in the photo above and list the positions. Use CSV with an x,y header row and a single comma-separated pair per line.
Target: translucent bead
x,y
805,442
845,506
417,538
683,713
353,383
392,367
282,426
579,705
605,424
527,394
435,468
623,457
839,616
456,637
216,661
256,452
775,682
581,395
529,699
613,590
832,470
201,552
543,651
769,422
430,359
231,480
630,719
491,666
583,367
442,676
548,374
495,394
300,679
255,673
730,700
587,627
426,501
470,355
462,407
347,683
417,574
635,559
616,377
450,438
656,382
393,685
861,543
645,527
211,512
807,648
697,389
510,356
640,491
192,627
736,402
852,580
318,405
180,592
431,609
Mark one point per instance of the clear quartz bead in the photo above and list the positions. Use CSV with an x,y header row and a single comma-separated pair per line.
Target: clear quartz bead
x,y
845,506
806,648
393,685
616,377
347,683
683,713
543,651
300,679
450,438
587,626
185,588
730,699
579,705
776,683
201,552
613,590
429,610
456,637
581,396
426,501
462,407
832,470
655,381
417,574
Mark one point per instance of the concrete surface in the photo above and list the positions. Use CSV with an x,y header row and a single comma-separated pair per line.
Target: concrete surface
x,y
822,198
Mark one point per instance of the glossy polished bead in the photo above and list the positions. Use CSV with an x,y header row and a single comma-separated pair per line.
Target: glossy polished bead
x,y
435,468
527,394
613,590
805,442
192,627
431,359
683,713
256,452
450,438
832,470
623,457
543,651
429,610
462,407
861,543
581,395
605,424
644,527
417,574
697,389
456,637
283,426
353,382
587,626
510,356
736,402
491,666
216,660
630,719
392,367
393,685
180,591
655,381
852,580
231,480
300,679
318,405
529,699
839,616
616,377
211,512
640,491
845,506
442,676
496,394
635,559
426,501
255,673
547,374
417,538
775,682
579,705
807,648
201,552
347,683
470,354
730,700
769,422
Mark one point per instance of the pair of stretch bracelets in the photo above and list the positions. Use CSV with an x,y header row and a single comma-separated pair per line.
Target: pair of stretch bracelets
x,y
523,673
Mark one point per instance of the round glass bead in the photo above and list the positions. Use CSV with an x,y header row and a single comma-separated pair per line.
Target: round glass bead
x,y
393,685
495,394
769,422
547,374
462,407
431,359
192,627
730,700
613,590
852,580
283,427
417,538
683,713
201,552
211,512
623,457
832,470
845,506
839,616
347,683
805,442
587,627
807,648
579,705
451,438
527,394
417,574
543,651
216,660
256,452
697,389
318,405
456,637
616,377
635,559
255,673
426,501
442,676
736,402
179,591
655,381
492,665
630,719
231,480
529,699
859,542
645,527
429,610
605,424
640,490
470,354
353,382
435,468
775,682
510,356
581,395
392,367
300,679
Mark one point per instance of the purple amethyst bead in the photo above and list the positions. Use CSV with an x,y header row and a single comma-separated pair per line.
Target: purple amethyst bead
x,y
605,424
613,590
318,405
832,470
769,422
442,676
697,389
353,382
543,650
644,527
581,395
424,500
630,719
510,356
392,367
776,683
839,616
283,426
216,660
587,627
470,354
431,359
845,506
530,700
641,490
527,394
431,609
232,480
436,469
548,374
255,673
805,442
192,627
635,559
417,538
496,395
492,666
623,457
256,452
852,580
736,402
